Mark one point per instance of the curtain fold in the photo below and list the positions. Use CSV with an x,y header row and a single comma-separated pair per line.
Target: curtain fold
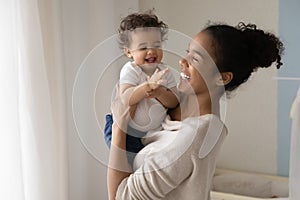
x,y
33,121
294,178
11,182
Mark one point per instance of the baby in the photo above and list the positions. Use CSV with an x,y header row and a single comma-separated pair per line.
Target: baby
x,y
141,86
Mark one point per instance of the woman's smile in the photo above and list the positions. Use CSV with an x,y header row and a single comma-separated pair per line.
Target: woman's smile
x,y
184,76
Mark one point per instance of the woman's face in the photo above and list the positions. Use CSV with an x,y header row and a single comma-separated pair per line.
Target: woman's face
x,y
198,70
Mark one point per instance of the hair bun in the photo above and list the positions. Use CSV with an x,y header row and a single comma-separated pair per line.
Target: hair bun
x,y
264,48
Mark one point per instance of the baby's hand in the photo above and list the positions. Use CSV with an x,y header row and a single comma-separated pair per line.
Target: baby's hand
x,y
154,93
157,78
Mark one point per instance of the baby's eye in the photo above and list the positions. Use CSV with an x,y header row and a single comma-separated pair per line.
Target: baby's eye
x,y
187,51
157,45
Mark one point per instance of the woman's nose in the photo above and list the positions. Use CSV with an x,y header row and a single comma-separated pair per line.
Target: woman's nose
x,y
183,62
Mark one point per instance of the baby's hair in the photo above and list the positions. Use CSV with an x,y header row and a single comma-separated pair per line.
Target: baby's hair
x,y
243,49
140,20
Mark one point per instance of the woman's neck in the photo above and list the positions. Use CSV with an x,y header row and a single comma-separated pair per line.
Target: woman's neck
x,y
193,105
196,105
209,104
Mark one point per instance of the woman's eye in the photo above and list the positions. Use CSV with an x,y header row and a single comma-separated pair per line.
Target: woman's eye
x,y
143,48
187,51
195,59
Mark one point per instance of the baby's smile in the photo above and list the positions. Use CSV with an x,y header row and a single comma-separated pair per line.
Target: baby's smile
x,y
150,60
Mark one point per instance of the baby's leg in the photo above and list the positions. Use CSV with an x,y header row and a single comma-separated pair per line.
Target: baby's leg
x,y
133,138
133,143
108,129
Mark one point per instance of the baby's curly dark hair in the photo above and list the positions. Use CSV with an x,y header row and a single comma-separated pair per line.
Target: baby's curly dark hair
x,y
139,20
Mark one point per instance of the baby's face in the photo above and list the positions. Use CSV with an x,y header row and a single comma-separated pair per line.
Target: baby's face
x,y
145,46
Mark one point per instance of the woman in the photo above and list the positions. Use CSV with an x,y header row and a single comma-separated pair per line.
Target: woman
x,y
179,162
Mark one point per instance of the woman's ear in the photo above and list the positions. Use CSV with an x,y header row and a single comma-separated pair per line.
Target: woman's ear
x,y
224,78
127,52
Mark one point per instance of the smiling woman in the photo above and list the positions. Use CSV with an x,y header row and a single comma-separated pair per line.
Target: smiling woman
x,y
259,95
179,161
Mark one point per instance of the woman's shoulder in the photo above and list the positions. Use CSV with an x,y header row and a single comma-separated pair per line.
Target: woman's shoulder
x,y
197,131
203,121
210,131
206,124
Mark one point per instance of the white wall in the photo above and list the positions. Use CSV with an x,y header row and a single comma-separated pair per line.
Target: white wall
x,y
252,113
87,23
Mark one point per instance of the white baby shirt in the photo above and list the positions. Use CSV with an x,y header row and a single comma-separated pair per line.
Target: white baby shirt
x,y
149,113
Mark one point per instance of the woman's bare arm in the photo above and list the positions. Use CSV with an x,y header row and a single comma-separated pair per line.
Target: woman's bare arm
x,y
118,167
165,96
175,113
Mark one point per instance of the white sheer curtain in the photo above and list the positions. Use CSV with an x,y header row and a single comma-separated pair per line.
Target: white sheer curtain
x,y
295,149
32,118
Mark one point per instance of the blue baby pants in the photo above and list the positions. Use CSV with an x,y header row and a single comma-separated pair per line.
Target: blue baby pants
x,y
133,138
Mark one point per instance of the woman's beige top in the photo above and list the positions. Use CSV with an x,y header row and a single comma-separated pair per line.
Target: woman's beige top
x,y
177,162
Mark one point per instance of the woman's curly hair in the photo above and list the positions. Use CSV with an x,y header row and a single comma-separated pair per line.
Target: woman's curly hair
x,y
243,49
